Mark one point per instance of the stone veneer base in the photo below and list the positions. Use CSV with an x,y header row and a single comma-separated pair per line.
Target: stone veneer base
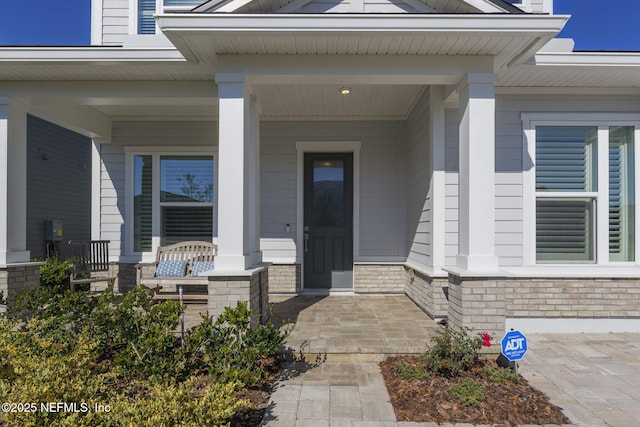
x,y
16,278
227,291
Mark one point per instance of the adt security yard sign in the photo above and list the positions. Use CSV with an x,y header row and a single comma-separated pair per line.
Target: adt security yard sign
x,y
514,345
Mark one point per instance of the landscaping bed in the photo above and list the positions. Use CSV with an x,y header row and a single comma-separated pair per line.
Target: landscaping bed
x,y
76,359
450,383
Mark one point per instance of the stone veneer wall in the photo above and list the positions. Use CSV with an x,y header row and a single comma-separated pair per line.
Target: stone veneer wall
x,y
226,291
285,279
572,298
15,279
429,293
379,278
477,303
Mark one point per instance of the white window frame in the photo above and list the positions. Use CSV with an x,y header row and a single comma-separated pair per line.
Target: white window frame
x,y
156,153
602,121
160,8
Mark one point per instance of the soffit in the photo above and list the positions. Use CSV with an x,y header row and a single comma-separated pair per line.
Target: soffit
x,y
576,69
205,37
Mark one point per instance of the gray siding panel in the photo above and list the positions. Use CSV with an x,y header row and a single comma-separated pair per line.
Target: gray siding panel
x,y
419,171
58,183
381,215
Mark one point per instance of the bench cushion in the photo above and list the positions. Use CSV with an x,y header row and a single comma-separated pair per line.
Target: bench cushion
x,y
172,268
200,266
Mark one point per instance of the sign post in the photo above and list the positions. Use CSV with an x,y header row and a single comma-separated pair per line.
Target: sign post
x,y
514,346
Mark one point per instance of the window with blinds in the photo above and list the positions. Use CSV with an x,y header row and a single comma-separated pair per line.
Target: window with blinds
x,y
566,185
142,203
146,22
621,194
183,190
186,198
568,199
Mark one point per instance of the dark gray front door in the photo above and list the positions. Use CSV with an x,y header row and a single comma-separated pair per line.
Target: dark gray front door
x,y
328,220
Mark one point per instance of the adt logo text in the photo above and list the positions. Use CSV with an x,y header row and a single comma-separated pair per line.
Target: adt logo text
x,y
514,345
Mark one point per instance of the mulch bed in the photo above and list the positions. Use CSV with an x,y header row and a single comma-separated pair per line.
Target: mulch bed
x,y
507,403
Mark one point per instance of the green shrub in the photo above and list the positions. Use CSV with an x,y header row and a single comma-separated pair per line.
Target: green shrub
x,y
55,273
229,349
453,352
499,375
410,372
469,392
124,352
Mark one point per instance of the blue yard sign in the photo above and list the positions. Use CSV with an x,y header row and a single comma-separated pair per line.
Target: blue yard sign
x,y
514,345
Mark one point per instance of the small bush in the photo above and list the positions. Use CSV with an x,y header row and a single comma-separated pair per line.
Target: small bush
x,y
500,375
410,372
453,351
468,392
55,274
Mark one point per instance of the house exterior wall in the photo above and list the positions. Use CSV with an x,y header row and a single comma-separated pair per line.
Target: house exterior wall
x,y
381,214
418,178
115,21
58,184
509,164
139,134
451,186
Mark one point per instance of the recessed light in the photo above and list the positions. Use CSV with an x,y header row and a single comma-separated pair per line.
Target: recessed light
x,y
345,90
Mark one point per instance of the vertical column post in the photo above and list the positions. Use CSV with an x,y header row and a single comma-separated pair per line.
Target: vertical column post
x,y
476,207
13,182
238,176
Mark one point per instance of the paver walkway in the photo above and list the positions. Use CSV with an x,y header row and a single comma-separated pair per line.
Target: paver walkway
x,y
346,327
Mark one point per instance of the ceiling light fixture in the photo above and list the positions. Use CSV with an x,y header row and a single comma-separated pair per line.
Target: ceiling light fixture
x,y
345,90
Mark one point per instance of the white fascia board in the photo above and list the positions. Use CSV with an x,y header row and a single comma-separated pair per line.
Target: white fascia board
x,y
405,23
588,59
88,54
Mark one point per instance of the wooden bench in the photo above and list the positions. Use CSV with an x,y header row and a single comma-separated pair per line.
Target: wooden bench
x,y
174,268
90,263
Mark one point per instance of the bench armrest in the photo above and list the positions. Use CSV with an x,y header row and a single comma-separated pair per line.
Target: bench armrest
x,y
140,269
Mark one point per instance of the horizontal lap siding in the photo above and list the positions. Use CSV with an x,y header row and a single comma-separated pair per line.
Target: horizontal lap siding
x,y
509,136
451,187
115,21
151,134
419,202
380,216
58,183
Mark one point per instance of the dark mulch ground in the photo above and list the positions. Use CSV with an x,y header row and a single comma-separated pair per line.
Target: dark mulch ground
x,y
507,403
258,395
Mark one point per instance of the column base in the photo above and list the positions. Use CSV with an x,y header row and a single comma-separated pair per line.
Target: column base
x,y
477,263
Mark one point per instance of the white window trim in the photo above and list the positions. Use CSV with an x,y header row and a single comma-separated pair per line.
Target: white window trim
x,y
133,16
602,121
156,152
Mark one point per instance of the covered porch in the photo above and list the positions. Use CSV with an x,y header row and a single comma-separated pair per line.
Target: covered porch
x,y
418,129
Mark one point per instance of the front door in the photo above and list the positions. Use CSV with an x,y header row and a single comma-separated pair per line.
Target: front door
x,y
328,221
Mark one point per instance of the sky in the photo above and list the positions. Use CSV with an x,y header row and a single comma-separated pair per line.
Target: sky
x,y
595,25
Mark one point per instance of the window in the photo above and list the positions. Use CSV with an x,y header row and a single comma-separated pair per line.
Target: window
x,y
583,182
146,21
172,199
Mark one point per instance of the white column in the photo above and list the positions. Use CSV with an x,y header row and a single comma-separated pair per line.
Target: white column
x,y
476,207
238,176
13,182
